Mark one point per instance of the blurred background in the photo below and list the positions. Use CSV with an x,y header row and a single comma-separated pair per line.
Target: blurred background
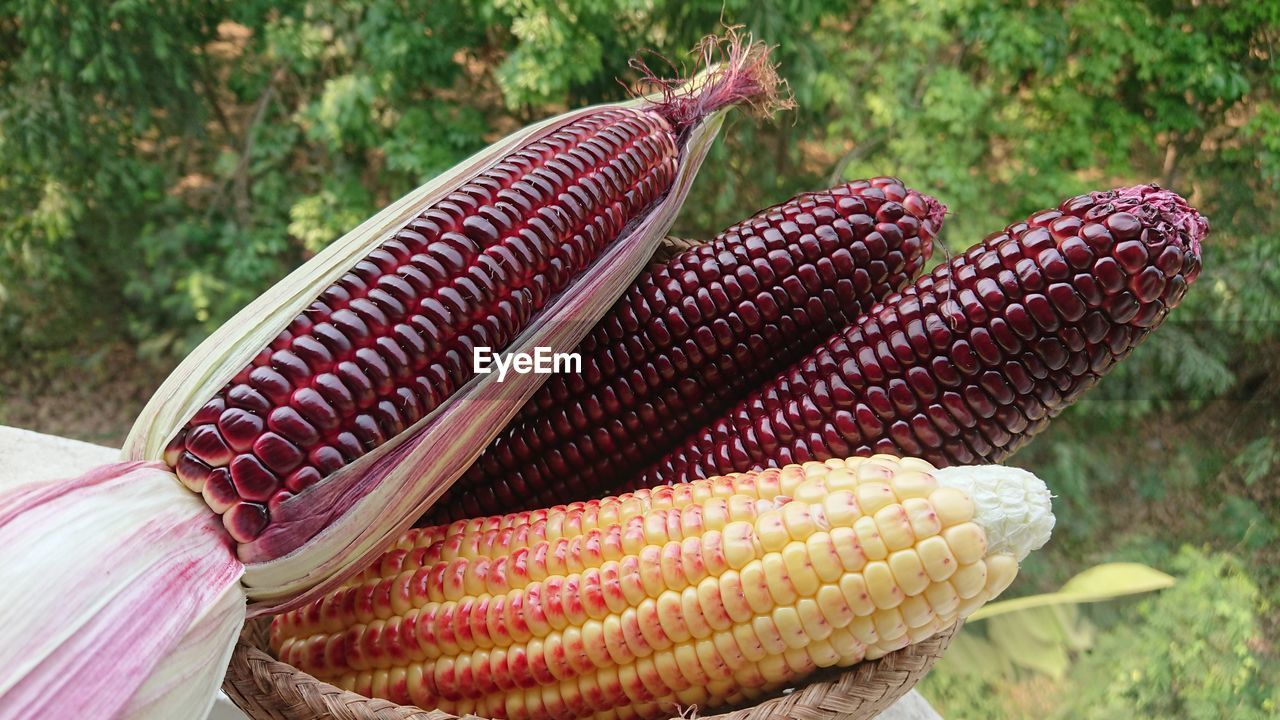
x,y
162,163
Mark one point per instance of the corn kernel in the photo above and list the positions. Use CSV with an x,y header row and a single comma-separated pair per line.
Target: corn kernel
x,y
787,620
815,624
771,531
916,611
755,587
884,591
775,574
967,541
832,605
895,527
1001,570
908,572
869,539
952,505
942,597
873,495
800,571
739,544
854,589
863,628
841,479
848,548
970,580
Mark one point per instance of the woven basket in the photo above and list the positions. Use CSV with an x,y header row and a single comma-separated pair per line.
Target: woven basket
x,y
267,689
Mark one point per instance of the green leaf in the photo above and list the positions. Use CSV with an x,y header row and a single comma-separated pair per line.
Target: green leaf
x,y
1032,639
1102,582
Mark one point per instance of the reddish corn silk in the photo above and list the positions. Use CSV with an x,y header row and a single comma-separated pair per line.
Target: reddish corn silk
x,y
393,337
974,359
694,334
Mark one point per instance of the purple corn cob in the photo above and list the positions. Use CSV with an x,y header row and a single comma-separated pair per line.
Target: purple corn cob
x,y
393,337
693,335
974,359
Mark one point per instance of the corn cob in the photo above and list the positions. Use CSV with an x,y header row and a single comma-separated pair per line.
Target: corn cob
x,y
703,594
392,338
696,333
974,359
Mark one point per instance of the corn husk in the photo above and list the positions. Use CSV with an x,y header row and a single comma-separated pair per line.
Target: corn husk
x,y
119,597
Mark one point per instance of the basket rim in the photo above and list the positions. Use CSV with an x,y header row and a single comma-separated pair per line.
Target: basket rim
x,y
266,689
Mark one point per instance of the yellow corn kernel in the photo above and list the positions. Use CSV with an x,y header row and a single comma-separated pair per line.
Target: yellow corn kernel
x,y
711,602
823,557
815,624
832,605
895,527
884,590
916,611
738,542
942,597
766,631
744,638
712,663
670,617
787,620
798,520
924,631
967,541
889,625
848,549
840,480
691,611
811,491
1001,570
771,531
924,520
863,628
822,653
970,580
876,470
952,505
913,464
854,589
841,508
869,539
936,556
775,575
755,587
908,572
804,579
874,495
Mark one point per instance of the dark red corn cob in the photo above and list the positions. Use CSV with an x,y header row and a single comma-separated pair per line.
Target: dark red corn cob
x,y
974,359
393,337
694,334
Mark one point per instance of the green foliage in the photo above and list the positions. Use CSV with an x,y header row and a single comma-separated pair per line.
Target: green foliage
x,y
241,137
1191,651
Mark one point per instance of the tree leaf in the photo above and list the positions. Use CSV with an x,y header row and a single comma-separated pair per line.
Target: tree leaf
x,y
1101,582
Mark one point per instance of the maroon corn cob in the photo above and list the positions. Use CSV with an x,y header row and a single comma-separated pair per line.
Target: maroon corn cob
x,y
974,359
696,333
393,337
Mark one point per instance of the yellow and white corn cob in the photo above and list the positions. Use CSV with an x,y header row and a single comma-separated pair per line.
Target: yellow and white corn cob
x,y
703,593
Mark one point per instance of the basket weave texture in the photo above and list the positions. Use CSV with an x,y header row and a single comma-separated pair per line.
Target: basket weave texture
x,y
267,689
